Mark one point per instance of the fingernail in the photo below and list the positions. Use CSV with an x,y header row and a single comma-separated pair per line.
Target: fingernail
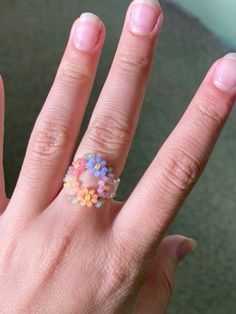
x,y
87,32
225,73
144,16
187,246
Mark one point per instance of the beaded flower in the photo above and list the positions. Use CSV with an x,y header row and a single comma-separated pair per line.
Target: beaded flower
x,y
78,167
105,187
106,184
71,184
96,165
87,197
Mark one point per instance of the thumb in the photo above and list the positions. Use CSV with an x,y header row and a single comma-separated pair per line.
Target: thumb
x,y
155,294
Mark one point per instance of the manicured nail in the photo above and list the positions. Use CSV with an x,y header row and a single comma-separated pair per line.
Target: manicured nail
x,y
87,32
225,73
186,247
144,16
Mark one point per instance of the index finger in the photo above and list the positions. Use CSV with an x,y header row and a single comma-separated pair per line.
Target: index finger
x,y
157,198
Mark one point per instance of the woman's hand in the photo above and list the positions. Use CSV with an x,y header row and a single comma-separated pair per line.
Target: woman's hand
x,y
56,257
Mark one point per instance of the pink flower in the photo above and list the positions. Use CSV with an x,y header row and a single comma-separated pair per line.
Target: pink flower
x,y
71,184
78,167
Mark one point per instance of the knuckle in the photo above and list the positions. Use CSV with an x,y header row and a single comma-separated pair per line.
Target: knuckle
x,y
72,71
131,61
109,134
50,138
180,170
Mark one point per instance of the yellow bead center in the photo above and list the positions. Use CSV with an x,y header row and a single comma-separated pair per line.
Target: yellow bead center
x,y
97,166
69,184
77,165
87,197
106,188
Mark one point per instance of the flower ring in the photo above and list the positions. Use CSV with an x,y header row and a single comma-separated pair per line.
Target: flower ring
x,y
106,184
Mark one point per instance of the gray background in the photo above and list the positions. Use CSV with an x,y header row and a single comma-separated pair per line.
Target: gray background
x,y
33,35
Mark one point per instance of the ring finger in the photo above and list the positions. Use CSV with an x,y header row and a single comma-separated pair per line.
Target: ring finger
x,y
54,135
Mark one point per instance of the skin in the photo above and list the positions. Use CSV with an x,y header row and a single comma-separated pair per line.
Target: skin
x,y
59,258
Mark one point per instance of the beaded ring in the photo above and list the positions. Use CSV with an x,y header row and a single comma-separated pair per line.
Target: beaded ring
x,y
106,184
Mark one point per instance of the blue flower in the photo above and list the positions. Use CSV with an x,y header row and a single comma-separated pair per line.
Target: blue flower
x,y
96,165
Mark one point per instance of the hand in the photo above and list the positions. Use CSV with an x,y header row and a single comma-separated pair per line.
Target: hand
x,y
56,257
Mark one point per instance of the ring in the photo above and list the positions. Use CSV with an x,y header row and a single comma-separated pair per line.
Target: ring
x,y
90,168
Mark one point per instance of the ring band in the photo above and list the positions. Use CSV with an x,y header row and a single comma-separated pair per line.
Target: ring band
x,y
104,187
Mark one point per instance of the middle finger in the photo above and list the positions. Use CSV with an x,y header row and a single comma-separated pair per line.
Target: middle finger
x,y
115,117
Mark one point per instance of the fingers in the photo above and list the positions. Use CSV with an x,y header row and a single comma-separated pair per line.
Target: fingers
x,y
163,188
56,129
114,119
159,285
3,199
